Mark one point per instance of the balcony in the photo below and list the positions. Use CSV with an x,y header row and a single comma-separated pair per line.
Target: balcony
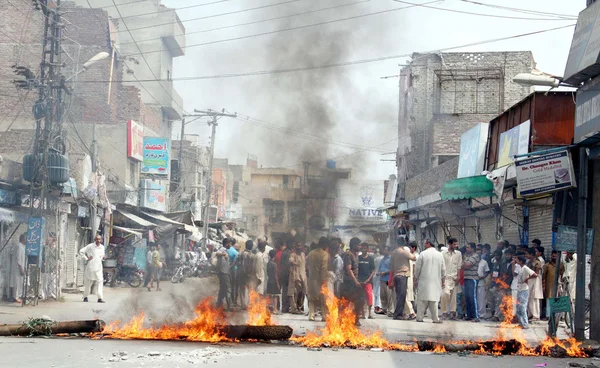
x,y
174,33
170,101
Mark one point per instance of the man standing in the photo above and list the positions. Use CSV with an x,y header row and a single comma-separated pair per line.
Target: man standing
x,y
470,266
548,274
570,263
351,289
317,265
283,265
535,286
377,282
17,269
232,253
94,255
430,275
261,267
452,262
387,296
297,279
400,271
494,296
336,268
409,311
366,270
149,269
483,270
245,265
223,270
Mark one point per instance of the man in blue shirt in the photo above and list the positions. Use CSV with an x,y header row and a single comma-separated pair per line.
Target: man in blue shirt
x,y
233,253
386,294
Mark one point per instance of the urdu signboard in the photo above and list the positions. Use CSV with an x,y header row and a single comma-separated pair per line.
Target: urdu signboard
x,y
545,174
156,156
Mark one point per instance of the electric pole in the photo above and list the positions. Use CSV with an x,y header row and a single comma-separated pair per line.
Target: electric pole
x,y
306,165
213,123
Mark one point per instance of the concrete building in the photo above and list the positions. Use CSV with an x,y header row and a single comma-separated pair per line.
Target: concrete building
x,y
188,187
442,95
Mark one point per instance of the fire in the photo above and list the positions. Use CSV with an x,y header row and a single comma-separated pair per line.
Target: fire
x,y
258,310
439,349
340,330
204,327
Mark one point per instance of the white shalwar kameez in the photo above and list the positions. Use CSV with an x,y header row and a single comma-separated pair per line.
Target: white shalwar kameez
x,y
93,269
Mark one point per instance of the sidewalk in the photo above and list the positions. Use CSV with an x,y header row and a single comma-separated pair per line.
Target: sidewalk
x,y
175,303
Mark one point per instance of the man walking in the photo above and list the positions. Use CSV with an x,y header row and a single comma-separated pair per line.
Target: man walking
x,y
157,266
223,271
297,280
470,267
17,269
149,269
94,255
400,271
351,289
366,270
452,262
387,296
483,271
317,265
430,275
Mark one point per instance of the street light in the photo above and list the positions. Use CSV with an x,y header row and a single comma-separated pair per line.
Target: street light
x,y
530,80
99,56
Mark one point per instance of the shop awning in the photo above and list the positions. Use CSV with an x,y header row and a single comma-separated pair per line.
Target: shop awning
x,y
466,188
161,218
138,220
128,230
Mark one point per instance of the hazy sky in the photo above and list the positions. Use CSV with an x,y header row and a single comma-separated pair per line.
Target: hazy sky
x,y
346,113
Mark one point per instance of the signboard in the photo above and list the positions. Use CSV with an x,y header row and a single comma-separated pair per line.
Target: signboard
x,y
153,194
35,236
566,239
587,113
135,141
156,156
514,142
473,144
8,197
582,63
545,174
360,202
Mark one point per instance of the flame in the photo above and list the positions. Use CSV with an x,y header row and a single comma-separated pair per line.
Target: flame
x,y
439,349
204,327
340,330
258,310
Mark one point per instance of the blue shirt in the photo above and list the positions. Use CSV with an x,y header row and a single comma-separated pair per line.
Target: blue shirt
x,y
384,266
232,253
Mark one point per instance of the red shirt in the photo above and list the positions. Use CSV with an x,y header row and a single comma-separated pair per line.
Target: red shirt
x,y
278,256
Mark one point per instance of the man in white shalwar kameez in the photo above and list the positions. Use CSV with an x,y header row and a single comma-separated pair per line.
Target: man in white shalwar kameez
x,y
94,255
429,274
17,269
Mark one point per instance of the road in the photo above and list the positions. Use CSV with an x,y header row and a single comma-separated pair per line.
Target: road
x,y
45,353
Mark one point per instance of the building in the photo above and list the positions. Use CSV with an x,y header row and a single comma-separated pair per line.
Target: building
x,y
189,170
442,95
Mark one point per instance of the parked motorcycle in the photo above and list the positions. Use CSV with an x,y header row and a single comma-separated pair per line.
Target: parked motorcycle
x,y
132,275
181,272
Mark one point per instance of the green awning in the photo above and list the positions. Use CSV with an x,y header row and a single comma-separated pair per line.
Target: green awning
x,y
465,188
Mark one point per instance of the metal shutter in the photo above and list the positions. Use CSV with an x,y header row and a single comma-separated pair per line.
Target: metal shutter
x,y
512,229
540,224
487,229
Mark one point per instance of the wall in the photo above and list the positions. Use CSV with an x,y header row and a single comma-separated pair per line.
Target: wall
x,y
431,181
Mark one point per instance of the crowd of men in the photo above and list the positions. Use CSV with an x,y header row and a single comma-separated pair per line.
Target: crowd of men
x,y
400,282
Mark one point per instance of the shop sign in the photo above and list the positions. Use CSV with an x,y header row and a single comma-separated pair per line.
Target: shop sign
x,y
135,141
35,236
153,194
514,142
587,111
582,63
566,239
473,144
8,197
545,174
156,156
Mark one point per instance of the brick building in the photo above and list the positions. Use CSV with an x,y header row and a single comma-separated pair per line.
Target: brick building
x,y
442,95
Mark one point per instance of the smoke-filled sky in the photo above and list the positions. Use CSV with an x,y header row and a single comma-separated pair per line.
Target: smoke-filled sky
x,y
345,113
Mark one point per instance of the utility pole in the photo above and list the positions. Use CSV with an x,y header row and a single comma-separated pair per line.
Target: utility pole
x,y
581,244
306,165
213,123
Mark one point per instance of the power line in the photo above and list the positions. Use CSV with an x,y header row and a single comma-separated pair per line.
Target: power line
x,y
525,11
214,15
478,14
345,63
256,22
291,28
176,9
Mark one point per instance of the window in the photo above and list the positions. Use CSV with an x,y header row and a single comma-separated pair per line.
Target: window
x,y
133,173
286,180
274,210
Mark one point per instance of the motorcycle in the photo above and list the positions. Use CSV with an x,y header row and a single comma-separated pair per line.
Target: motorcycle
x,y
132,275
188,267
181,272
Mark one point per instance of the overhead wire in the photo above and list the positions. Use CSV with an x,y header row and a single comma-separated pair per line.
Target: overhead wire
x,y
175,9
344,63
524,11
257,21
424,5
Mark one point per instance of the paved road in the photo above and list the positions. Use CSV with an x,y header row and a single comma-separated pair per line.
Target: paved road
x,y
45,353
175,304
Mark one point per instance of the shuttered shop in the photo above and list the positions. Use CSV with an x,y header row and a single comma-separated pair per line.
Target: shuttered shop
x,y
540,224
487,229
513,220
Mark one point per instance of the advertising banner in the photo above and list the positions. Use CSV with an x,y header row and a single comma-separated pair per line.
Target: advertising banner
x,y
514,142
473,144
545,174
156,156
35,236
135,141
587,113
153,194
566,239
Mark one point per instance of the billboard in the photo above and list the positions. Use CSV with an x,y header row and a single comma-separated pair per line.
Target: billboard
x,y
153,194
360,202
473,144
156,156
135,141
587,113
514,142
545,174
584,55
